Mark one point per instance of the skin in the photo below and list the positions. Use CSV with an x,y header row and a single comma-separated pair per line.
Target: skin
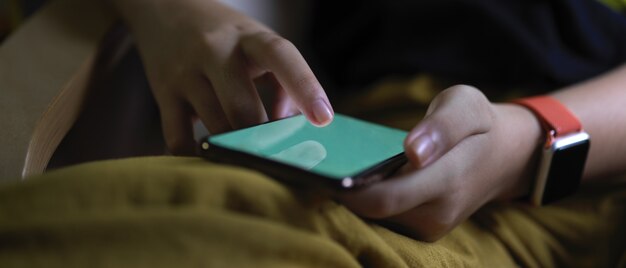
x,y
202,59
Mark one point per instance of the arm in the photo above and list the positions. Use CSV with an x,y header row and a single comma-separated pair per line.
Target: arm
x,y
600,105
468,151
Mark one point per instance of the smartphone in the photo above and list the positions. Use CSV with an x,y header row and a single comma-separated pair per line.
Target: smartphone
x,y
346,154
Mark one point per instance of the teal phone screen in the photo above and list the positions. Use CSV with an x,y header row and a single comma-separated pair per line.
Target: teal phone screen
x,y
341,149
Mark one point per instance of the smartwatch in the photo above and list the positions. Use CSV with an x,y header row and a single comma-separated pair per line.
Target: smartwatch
x,y
564,153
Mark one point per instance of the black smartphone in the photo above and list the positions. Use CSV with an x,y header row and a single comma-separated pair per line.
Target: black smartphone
x,y
346,154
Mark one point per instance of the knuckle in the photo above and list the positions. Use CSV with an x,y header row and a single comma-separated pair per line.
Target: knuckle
x,y
218,35
208,43
212,48
478,106
482,112
464,90
275,44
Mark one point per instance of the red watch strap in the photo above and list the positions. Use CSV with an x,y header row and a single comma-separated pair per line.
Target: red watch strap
x,y
554,115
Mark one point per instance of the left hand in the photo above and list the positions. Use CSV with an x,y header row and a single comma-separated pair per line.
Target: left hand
x,y
466,152
203,59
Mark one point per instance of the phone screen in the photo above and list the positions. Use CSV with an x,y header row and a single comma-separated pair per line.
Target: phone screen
x,y
341,149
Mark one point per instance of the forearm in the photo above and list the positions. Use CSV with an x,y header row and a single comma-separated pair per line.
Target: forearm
x,y
600,105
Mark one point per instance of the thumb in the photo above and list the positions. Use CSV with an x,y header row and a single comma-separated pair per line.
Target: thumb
x,y
456,113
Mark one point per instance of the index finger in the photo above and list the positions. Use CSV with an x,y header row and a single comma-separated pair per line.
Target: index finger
x,y
279,56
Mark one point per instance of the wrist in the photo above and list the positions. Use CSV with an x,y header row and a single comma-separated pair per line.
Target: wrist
x,y
521,140
564,152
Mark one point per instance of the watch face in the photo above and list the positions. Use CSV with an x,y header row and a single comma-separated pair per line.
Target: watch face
x,y
566,169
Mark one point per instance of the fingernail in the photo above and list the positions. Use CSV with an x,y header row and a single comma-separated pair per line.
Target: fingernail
x,y
321,113
424,148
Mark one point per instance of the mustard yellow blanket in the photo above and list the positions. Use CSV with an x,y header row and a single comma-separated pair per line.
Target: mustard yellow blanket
x,y
187,212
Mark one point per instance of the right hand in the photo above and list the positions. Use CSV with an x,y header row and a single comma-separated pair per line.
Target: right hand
x,y
466,152
202,57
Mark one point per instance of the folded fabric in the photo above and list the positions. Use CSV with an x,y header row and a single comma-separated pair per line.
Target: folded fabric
x,y
181,212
